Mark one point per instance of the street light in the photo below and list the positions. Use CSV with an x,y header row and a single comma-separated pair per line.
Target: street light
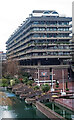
x,y
63,92
38,77
52,89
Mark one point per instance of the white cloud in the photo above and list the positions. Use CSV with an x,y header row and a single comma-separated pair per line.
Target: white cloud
x,y
14,12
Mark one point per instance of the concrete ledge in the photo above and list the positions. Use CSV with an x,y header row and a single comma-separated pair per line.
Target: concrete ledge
x,y
48,112
44,66
64,105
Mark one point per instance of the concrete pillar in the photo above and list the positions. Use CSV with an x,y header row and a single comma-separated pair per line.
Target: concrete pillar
x,y
39,63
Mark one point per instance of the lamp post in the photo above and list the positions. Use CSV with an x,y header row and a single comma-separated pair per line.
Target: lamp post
x,y
52,89
63,92
38,78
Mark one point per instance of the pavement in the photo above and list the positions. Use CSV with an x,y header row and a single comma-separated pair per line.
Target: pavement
x,y
69,103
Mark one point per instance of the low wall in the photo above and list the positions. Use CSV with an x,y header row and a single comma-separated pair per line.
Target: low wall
x,y
48,112
69,106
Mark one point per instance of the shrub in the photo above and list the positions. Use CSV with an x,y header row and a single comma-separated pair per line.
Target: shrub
x,y
67,89
25,80
36,87
45,88
57,84
16,80
30,82
4,82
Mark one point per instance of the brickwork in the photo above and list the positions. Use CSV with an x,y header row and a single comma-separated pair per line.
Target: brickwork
x,y
57,74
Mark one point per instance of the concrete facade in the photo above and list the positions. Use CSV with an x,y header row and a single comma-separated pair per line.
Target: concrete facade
x,y
42,45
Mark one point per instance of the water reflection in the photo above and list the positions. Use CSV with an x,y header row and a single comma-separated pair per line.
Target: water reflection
x,y
64,112
12,107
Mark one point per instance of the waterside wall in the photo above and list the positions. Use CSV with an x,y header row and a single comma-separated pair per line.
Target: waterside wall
x,y
48,112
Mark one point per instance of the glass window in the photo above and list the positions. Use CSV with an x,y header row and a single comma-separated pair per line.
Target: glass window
x,y
47,29
55,47
35,22
60,53
36,35
51,29
46,12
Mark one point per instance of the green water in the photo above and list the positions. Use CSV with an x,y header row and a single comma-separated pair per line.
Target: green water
x,y
64,112
19,109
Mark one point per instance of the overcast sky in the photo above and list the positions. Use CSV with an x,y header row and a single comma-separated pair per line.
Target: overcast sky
x,y
14,12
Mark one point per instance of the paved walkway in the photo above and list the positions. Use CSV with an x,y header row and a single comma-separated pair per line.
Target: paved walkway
x,y
69,103
70,86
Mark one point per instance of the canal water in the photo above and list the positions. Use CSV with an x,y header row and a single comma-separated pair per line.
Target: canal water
x,y
15,108
64,112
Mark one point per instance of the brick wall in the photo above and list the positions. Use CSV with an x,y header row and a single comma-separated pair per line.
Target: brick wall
x,y
58,74
56,71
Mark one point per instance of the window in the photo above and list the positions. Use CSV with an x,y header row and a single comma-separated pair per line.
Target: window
x,y
47,29
55,47
60,53
54,12
36,35
46,12
35,22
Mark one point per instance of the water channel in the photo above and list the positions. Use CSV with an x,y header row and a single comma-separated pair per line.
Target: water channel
x,y
12,107
64,112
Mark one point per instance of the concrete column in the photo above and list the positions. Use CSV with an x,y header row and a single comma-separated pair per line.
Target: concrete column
x,y
39,63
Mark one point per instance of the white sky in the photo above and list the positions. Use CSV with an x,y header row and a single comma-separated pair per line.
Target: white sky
x,y
14,12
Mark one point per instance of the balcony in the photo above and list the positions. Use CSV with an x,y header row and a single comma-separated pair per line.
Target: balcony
x,y
51,31
45,25
44,56
19,35
38,44
45,66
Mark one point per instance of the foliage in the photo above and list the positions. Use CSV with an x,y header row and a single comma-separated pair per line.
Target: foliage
x,y
8,76
57,84
4,82
30,82
67,89
36,87
45,88
16,80
25,80
25,74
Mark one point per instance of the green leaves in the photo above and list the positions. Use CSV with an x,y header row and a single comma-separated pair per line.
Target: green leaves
x,y
4,82
45,88
36,87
